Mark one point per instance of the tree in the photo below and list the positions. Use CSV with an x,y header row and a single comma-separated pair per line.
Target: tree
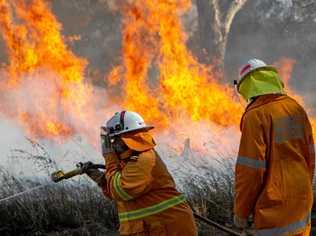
x,y
215,18
287,10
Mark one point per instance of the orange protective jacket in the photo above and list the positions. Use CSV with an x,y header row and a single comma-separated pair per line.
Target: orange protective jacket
x,y
147,200
275,167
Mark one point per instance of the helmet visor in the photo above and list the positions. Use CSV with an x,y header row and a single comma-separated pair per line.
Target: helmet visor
x,y
106,141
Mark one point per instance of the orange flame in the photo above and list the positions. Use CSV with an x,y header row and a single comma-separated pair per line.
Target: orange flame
x,y
285,68
159,77
34,43
186,88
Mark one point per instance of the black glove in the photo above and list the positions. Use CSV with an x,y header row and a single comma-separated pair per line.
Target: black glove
x,y
84,166
95,174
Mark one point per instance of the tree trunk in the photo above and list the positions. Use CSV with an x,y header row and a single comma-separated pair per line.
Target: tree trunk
x,y
215,18
205,19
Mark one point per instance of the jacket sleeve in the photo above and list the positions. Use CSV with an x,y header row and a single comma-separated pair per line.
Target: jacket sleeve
x,y
129,182
251,164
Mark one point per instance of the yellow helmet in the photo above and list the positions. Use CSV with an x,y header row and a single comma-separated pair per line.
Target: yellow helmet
x,y
257,78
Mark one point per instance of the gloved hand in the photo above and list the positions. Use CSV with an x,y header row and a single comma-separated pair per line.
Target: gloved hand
x,y
95,174
106,145
240,223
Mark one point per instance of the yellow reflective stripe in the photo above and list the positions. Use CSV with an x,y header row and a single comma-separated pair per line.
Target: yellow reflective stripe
x,y
291,228
252,163
143,212
118,188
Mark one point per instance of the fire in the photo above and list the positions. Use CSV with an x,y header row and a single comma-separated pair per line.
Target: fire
x,y
187,85
52,128
153,38
285,68
35,44
43,85
139,43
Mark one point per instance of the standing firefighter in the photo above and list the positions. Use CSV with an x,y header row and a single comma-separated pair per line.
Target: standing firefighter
x,y
275,164
137,179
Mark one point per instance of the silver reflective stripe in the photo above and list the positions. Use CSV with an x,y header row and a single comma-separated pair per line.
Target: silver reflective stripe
x,y
252,163
288,128
291,228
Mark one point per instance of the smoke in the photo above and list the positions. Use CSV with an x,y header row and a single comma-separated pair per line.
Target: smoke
x,y
191,147
192,155
98,24
11,137
99,28
27,157
271,30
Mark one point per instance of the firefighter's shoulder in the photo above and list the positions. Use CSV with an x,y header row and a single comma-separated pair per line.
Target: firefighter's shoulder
x,y
145,158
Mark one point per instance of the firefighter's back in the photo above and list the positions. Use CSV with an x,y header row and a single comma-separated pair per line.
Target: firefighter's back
x,y
286,198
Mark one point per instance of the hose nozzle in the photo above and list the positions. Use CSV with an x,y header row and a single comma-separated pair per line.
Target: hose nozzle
x,y
59,175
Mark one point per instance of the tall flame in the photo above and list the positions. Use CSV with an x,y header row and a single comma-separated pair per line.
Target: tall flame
x,y
154,39
139,44
44,88
35,44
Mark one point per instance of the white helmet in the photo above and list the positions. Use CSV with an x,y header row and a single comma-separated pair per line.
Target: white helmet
x,y
251,65
124,122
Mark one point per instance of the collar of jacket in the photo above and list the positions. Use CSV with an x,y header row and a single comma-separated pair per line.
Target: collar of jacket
x,y
260,101
264,99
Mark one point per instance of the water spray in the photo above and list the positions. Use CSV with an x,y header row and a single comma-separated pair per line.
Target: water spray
x,y
22,193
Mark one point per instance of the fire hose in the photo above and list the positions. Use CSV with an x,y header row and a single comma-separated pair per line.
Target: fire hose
x,y
59,175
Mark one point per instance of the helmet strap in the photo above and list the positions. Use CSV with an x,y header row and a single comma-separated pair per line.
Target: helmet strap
x,y
122,115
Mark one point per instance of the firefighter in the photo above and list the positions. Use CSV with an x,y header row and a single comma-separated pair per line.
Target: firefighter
x,y
138,180
275,164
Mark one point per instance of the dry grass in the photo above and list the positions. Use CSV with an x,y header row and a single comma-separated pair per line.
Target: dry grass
x,y
212,197
78,207
75,207
56,209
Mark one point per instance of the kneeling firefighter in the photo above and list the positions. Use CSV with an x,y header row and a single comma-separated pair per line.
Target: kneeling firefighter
x,y
275,164
138,180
